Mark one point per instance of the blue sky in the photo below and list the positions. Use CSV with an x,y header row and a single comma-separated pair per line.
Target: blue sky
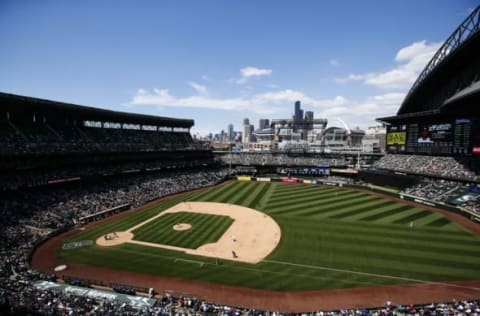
x,y
218,62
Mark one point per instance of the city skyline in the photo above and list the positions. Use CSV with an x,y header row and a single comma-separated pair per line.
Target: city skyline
x,y
218,62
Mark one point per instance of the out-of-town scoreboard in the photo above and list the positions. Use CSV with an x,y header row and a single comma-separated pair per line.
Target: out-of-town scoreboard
x,y
457,137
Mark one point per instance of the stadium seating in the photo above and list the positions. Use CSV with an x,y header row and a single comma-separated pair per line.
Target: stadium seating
x,y
53,175
43,139
463,168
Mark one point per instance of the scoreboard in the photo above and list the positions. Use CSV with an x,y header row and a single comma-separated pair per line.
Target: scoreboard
x,y
462,136
458,137
396,138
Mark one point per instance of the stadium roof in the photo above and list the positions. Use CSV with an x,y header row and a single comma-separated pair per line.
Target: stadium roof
x,y
470,91
22,105
452,74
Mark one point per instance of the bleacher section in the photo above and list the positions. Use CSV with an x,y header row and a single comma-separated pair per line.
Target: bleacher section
x,y
44,142
43,139
463,168
269,159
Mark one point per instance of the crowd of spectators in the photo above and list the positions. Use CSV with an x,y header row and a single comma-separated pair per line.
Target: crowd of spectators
x,y
36,177
42,138
250,170
340,180
33,301
26,216
464,168
123,289
268,159
29,215
52,209
446,191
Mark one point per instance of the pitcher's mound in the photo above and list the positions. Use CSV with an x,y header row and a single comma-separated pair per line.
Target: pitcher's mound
x,y
182,226
113,239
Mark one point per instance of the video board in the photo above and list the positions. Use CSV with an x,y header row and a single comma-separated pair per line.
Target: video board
x,y
460,136
430,138
396,138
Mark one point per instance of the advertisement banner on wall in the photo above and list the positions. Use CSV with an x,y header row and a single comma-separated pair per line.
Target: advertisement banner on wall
x,y
289,180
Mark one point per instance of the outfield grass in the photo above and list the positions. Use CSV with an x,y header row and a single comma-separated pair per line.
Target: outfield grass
x,y
331,238
205,229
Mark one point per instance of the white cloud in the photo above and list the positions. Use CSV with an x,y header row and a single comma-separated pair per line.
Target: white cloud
x,y
350,77
248,72
253,71
412,51
333,62
363,113
289,96
272,102
279,103
198,87
411,61
163,98
281,96
381,105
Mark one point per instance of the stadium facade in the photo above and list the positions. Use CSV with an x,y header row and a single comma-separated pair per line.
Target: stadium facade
x,y
46,142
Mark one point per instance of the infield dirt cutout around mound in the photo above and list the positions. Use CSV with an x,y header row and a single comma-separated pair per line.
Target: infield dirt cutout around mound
x,y
251,237
182,227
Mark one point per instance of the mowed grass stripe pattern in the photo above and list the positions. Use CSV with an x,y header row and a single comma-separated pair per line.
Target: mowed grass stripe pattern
x,y
205,229
323,228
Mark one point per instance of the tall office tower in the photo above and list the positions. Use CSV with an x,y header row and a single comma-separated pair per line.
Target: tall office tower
x,y
297,115
252,137
308,116
246,131
263,124
231,133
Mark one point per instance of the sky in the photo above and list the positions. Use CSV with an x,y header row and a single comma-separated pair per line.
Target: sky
x,y
218,62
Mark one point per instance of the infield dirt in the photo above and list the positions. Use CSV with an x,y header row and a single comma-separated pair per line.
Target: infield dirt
x,y
251,237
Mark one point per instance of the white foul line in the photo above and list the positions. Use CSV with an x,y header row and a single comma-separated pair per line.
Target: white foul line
x,y
368,274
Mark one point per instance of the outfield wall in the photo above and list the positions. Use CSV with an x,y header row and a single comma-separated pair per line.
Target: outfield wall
x,y
377,189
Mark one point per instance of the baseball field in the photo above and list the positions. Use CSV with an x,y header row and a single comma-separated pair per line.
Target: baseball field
x,y
329,238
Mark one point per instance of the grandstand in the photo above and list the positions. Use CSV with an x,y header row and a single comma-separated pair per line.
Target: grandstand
x,y
31,126
61,164
436,131
45,142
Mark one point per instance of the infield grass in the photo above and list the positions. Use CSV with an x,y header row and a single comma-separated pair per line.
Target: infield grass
x,y
331,238
205,229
